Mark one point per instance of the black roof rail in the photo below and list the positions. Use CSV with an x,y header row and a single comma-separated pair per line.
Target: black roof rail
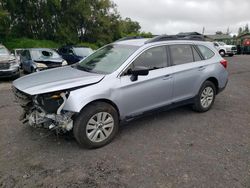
x,y
176,37
193,37
162,38
129,38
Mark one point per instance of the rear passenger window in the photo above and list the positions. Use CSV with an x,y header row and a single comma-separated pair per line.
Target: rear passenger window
x,y
206,52
181,54
197,57
154,58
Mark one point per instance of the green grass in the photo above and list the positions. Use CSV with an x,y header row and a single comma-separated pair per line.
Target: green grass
x,y
12,43
90,45
29,43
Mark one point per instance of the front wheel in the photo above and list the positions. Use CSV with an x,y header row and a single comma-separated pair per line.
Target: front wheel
x,y
205,98
96,125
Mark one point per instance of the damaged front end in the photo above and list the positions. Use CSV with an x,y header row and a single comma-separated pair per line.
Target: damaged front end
x,y
45,110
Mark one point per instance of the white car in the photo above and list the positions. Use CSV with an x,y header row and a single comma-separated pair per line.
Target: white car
x,y
225,49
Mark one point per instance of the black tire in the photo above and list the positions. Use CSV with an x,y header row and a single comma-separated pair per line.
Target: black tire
x,y
230,55
17,75
81,121
222,53
25,72
32,70
197,106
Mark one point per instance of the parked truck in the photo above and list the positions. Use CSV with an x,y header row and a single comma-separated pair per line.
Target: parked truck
x,y
225,49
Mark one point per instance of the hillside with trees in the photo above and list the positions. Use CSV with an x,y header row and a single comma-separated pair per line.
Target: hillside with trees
x,y
65,21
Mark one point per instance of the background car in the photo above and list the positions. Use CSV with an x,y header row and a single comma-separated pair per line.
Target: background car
x,y
37,59
74,54
9,66
17,53
225,49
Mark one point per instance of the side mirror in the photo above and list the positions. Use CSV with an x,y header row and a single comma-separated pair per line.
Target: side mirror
x,y
138,71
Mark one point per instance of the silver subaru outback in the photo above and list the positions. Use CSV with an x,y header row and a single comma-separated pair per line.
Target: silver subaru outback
x,y
121,81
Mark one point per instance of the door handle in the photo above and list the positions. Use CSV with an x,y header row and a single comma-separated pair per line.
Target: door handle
x,y
167,77
201,68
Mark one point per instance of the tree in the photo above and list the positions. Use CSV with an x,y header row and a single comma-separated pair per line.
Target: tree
x,y
246,30
128,26
67,21
240,31
218,33
4,23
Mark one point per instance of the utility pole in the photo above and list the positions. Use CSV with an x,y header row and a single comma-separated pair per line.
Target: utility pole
x,y
228,31
203,30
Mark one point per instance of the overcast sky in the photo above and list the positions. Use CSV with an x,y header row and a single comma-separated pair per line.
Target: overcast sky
x,y
174,16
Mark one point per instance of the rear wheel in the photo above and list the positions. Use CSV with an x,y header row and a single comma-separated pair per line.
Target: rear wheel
x,y
205,98
96,125
222,53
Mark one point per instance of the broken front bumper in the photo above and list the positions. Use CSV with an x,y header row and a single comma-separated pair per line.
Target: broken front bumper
x,y
38,115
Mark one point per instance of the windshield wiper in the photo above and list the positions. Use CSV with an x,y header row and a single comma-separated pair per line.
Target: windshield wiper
x,y
79,67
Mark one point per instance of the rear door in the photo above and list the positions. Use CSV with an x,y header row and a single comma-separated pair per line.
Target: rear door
x,y
187,70
148,92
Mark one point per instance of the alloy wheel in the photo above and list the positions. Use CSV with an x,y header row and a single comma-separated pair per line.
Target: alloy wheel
x,y
100,127
207,97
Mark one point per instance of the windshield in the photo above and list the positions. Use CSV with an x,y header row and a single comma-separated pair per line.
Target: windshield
x,y
82,51
18,52
107,59
222,43
4,51
44,54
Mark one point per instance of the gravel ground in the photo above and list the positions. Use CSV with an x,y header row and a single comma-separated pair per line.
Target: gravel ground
x,y
177,148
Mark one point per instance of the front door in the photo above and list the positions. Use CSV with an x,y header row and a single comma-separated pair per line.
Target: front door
x,y
148,92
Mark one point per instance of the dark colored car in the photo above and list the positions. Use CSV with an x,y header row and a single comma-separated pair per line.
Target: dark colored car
x,y
9,66
37,59
74,54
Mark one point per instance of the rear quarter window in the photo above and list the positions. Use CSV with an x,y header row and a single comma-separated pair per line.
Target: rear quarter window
x,y
205,51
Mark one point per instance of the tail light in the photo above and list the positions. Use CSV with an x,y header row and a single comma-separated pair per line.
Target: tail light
x,y
224,63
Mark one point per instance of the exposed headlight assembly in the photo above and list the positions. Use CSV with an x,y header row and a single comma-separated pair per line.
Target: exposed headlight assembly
x,y
52,102
64,63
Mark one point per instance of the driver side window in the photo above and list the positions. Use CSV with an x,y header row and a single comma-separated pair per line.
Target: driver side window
x,y
154,58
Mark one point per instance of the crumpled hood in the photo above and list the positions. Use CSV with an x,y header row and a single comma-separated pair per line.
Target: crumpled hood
x,y
55,80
